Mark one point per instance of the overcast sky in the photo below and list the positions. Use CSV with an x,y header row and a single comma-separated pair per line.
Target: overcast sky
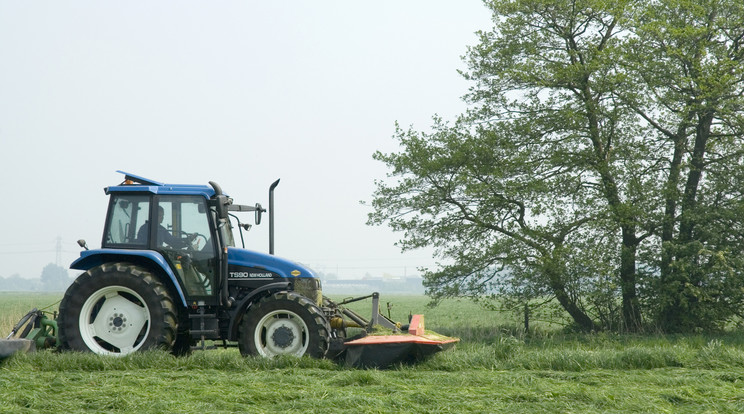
x,y
237,92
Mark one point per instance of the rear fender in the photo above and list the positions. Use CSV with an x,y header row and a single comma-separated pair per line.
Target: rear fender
x,y
147,258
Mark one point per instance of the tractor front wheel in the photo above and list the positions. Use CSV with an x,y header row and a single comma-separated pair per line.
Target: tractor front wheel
x,y
117,309
284,323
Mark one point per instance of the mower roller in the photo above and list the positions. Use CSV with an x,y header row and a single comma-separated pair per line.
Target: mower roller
x,y
169,276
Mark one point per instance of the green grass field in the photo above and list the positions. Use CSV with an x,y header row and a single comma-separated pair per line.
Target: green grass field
x,y
496,368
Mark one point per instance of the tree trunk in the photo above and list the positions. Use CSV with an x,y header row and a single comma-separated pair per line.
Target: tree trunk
x,y
669,288
697,164
670,208
631,306
553,270
671,283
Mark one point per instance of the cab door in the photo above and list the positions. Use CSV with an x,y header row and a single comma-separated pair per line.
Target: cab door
x,y
183,235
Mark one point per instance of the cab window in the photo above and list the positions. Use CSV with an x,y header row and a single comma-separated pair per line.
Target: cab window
x,y
127,213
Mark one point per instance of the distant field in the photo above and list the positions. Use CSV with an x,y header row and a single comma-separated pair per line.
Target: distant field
x,y
461,315
495,369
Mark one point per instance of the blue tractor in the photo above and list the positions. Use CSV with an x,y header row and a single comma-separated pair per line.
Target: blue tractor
x,y
168,275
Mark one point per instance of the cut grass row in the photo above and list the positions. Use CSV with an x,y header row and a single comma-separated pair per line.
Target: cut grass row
x,y
559,358
223,381
496,368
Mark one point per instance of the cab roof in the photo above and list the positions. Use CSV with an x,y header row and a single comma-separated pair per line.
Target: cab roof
x,y
135,183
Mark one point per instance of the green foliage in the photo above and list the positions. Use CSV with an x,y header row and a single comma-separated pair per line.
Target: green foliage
x,y
703,289
600,164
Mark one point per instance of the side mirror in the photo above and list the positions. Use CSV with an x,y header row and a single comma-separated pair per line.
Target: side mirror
x,y
82,244
259,211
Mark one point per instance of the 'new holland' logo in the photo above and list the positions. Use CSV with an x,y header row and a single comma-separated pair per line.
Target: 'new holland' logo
x,y
251,275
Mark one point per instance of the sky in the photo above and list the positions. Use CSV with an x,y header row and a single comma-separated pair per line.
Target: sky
x,y
237,92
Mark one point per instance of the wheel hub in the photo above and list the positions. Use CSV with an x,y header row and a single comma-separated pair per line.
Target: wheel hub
x,y
117,322
283,337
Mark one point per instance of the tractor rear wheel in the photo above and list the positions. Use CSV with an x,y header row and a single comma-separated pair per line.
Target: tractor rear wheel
x,y
117,309
284,323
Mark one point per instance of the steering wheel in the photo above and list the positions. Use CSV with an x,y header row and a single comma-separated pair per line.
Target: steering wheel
x,y
197,242
193,240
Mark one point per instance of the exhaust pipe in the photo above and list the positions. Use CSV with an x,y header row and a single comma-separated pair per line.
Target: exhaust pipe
x,y
271,216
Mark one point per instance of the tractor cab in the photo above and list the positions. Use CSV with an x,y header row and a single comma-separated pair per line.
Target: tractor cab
x,y
178,226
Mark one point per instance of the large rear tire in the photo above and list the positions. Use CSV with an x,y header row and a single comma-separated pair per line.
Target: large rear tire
x,y
117,309
284,323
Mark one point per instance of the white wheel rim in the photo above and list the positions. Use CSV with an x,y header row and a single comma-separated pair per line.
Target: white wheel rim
x,y
281,333
110,321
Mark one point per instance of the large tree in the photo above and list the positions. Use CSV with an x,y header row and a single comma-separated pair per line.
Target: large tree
x,y
685,59
565,177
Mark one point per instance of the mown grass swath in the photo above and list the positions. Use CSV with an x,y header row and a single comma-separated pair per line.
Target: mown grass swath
x,y
495,369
